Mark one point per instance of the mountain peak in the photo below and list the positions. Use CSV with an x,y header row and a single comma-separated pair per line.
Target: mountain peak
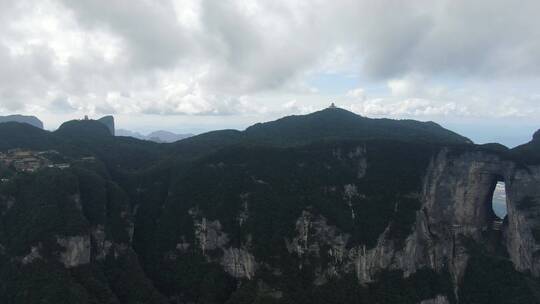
x,y
84,128
337,123
536,135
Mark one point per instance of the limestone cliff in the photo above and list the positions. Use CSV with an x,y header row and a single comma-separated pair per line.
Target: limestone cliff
x,y
456,209
108,121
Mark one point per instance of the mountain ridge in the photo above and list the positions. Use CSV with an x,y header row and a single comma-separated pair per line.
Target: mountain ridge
x,y
159,136
31,120
337,122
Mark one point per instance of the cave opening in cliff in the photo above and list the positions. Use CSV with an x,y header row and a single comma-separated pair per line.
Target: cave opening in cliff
x,y
498,201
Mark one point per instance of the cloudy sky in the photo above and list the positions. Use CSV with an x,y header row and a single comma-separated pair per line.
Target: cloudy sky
x,y
196,65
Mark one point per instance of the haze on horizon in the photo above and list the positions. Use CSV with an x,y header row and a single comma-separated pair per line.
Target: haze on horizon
x,y
195,65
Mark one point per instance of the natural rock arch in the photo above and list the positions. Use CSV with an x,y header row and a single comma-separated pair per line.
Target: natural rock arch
x,y
457,205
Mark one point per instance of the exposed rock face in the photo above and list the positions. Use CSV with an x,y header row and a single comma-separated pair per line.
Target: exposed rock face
x,y
108,121
315,238
239,263
456,207
209,236
77,250
32,256
350,192
437,300
457,204
523,232
101,245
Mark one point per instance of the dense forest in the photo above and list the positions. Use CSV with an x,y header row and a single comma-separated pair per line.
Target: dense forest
x,y
271,214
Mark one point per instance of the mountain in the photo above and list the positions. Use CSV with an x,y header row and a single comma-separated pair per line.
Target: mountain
x,y
87,129
336,123
328,207
128,133
166,136
159,136
31,120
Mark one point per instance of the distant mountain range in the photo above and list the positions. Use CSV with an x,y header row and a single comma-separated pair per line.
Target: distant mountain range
x,y
31,120
160,136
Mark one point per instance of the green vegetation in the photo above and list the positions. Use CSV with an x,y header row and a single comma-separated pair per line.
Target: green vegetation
x,y
360,175
333,124
493,280
529,153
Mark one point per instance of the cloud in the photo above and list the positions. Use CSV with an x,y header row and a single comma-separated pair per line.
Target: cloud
x,y
357,94
412,107
236,57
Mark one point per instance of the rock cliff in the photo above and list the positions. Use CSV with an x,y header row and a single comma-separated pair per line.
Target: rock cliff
x,y
456,210
108,121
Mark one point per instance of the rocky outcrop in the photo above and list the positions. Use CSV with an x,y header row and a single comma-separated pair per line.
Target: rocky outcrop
x,y
522,234
76,250
437,300
239,263
100,245
108,121
32,256
210,237
456,208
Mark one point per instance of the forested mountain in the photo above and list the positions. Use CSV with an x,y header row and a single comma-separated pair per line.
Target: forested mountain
x,y
31,120
328,207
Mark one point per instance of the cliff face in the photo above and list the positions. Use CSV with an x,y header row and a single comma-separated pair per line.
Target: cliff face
x,y
456,209
523,230
108,121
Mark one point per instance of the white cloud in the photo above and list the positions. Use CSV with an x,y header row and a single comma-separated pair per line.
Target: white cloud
x,y
357,94
411,107
237,57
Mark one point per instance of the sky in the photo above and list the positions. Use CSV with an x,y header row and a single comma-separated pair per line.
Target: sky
x,y
199,65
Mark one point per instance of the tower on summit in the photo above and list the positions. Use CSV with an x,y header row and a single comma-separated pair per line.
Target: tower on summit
x,y
332,106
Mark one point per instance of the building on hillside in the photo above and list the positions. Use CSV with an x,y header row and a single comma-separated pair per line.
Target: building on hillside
x,y
30,161
62,166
